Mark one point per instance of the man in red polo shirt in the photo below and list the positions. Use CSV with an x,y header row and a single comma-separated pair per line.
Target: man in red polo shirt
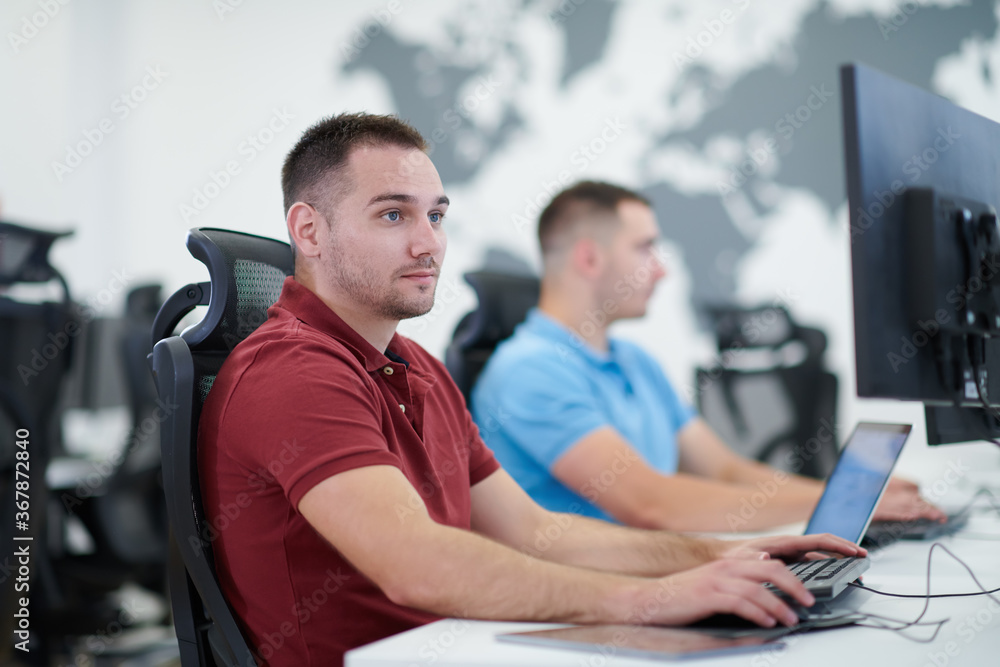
x,y
351,491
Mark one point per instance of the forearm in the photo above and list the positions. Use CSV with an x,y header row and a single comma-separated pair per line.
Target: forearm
x,y
753,473
686,503
584,542
453,572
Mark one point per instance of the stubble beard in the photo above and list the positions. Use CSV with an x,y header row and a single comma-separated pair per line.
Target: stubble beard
x,y
366,287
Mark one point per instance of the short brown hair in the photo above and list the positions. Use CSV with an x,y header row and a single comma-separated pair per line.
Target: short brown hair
x,y
580,201
324,148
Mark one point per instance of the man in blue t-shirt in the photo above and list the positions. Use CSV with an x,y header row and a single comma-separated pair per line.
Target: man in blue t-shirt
x,y
590,424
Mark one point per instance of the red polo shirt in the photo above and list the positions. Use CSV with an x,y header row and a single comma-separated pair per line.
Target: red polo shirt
x,y
303,398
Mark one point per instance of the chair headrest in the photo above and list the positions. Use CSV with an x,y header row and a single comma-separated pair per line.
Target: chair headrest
x,y
764,327
504,301
24,254
246,273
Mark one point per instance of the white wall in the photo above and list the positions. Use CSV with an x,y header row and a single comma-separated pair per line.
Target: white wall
x,y
225,75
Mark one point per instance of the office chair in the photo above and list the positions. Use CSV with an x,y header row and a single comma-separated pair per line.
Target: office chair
x,y
36,347
246,274
124,510
504,302
769,395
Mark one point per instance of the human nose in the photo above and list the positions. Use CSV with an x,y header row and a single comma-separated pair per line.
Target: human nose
x,y
428,238
657,269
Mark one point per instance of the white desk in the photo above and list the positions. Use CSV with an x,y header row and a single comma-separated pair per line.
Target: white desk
x,y
971,637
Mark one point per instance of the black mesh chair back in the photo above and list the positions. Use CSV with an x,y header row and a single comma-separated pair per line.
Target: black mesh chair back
x,y
504,302
246,275
769,395
36,345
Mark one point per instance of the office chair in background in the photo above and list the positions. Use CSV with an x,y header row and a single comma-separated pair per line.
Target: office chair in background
x,y
124,510
36,349
504,301
769,396
246,273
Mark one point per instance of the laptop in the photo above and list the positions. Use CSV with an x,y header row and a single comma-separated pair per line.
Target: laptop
x,y
845,509
858,481
848,503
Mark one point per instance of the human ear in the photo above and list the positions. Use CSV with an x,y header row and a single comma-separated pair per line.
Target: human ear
x,y
587,257
303,227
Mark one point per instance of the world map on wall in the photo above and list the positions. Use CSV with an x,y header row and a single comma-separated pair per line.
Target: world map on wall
x,y
774,107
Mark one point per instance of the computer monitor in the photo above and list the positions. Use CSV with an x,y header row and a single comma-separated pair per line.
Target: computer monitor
x,y
923,182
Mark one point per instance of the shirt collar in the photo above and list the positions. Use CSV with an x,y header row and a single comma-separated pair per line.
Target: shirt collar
x,y
303,304
548,328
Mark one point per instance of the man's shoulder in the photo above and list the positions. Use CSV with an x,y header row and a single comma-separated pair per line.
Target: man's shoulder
x,y
283,349
527,359
526,346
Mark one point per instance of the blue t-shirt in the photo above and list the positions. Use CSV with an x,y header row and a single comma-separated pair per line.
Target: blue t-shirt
x,y
544,389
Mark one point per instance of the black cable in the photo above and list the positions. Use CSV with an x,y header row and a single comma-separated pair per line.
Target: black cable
x,y
927,598
922,596
905,625
981,386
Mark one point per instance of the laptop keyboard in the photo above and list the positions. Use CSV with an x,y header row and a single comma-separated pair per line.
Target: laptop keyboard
x,y
827,577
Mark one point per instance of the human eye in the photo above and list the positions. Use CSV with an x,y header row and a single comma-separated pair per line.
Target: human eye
x,y
436,216
392,216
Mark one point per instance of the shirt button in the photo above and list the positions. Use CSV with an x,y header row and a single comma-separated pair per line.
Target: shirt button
x,y
402,407
387,370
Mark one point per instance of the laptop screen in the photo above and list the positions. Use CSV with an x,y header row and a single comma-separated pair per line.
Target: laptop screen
x,y
858,480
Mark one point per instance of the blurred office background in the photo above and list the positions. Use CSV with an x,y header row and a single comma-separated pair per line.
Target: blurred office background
x,y
131,122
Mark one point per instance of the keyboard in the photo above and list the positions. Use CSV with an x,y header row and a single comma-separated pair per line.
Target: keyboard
x,y
825,578
884,533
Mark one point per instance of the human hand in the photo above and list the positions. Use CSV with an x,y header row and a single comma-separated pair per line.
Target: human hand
x,y
725,586
902,502
789,548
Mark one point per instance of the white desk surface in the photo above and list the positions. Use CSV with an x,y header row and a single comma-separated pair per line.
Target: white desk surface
x,y
971,636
